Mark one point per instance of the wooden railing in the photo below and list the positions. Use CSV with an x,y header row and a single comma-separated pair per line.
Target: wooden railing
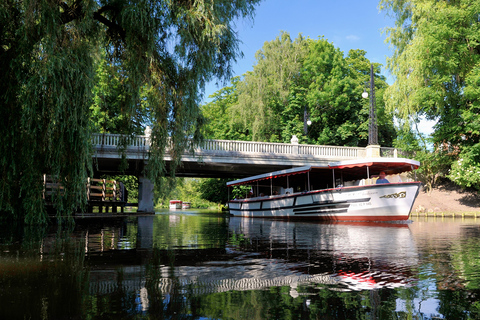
x,y
97,189
50,187
232,146
100,193
102,190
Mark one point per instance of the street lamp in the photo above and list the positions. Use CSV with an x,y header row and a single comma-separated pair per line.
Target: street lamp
x,y
372,125
306,120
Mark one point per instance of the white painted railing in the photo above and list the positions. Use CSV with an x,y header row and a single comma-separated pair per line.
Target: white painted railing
x,y
114,140
246,146
331,151
229,146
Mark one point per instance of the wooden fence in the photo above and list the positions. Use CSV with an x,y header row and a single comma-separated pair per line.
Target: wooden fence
x,y
100,193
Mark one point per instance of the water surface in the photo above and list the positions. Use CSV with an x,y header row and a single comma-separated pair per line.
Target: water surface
x,y
204,265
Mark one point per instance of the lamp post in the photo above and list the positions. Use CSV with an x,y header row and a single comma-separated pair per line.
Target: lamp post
x,y
372,125
306,120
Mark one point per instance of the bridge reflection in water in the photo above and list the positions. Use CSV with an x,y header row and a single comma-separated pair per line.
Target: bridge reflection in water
x,y
258,254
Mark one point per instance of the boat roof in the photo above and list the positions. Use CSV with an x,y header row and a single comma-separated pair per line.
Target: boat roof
x,y
354,169
270,175
396,164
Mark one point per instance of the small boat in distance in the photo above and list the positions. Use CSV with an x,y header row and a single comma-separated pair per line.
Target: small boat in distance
x,y
342,191
185,205
175,204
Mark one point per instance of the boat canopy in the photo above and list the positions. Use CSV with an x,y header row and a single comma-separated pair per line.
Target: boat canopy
x,y
270,175
351,169
356,169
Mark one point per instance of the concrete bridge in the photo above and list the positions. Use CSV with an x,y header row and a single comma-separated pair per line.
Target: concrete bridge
x,y
218,158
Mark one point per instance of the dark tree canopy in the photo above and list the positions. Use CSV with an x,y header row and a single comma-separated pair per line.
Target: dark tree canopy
x,y
165,52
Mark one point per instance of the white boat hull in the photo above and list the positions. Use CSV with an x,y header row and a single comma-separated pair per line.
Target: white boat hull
x,y
381,202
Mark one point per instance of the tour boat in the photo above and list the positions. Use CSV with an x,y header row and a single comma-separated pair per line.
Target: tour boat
x,y
185,205
341,191
175,204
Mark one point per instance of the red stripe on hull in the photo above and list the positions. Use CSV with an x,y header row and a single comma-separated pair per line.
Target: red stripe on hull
x,y
334,218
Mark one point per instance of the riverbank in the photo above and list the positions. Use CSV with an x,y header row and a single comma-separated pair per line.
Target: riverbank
x,y
447,199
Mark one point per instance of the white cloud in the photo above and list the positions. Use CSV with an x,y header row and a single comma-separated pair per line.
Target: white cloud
x,y
352,37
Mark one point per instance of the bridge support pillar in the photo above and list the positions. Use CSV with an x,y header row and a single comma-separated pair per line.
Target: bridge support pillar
x,y
145,195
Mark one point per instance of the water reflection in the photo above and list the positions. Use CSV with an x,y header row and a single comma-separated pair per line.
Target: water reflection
x,y
193,265
349,256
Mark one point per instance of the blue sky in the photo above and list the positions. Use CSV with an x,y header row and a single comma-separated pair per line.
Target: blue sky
x,y
348,24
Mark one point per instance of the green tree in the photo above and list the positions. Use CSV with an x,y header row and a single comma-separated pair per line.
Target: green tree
x,y
335,84
166,50
291,77
220,123
214,190
263,92
192,190
436,63
112,102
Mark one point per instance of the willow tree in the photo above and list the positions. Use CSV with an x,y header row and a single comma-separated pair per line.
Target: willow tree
x,y
111,97
48,51
263,92
436,64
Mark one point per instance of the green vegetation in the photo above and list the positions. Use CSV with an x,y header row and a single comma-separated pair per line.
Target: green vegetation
x,y
436,63
63,62
289,77
201,193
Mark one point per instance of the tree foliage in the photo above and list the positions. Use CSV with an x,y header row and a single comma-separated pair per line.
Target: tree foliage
x,y
166,50
291,77
214,190
111,100
201,193
436,63
219,124
264,92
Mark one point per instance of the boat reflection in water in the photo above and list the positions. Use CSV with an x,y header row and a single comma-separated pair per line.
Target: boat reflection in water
x,y
350,256
263,253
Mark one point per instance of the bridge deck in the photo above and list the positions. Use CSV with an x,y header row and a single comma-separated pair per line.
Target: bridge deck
x,y
225,158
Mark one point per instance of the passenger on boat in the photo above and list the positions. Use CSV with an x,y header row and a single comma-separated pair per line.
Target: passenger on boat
x,y
381,178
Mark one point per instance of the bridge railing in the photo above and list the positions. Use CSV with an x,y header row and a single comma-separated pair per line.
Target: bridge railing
x,y
331,151
115,140
246,146
226,146
395,153
281,148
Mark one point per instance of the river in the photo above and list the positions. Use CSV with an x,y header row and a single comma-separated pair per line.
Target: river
x,y
205,265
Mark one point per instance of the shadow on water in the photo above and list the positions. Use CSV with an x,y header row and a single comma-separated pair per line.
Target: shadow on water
x,y
203,265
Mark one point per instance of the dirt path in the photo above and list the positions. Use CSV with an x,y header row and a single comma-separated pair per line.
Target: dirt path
x,y
447,199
